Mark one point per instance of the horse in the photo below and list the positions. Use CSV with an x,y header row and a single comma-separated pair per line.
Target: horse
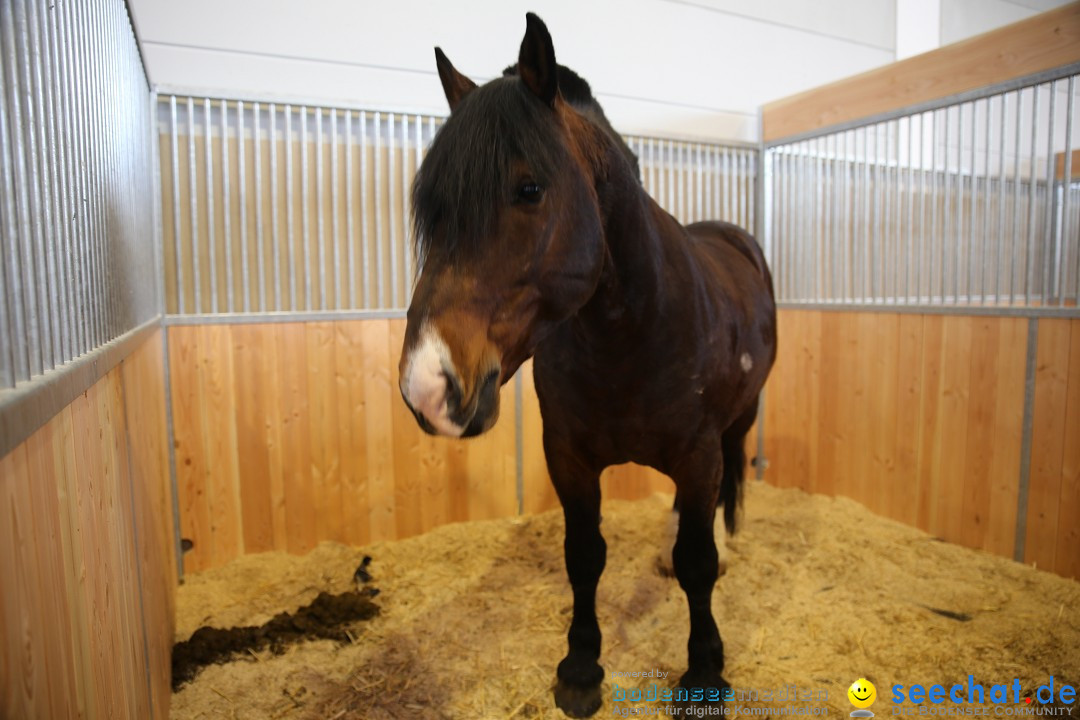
x,y
650,341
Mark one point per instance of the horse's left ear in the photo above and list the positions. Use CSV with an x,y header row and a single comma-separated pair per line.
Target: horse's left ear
x,y
455,85
536,61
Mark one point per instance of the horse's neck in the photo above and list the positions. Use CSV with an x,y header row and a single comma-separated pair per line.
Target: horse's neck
x,y
633,288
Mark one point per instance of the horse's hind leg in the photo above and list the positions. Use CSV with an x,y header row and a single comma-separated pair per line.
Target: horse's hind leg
x,y
577,692
695,560
733,445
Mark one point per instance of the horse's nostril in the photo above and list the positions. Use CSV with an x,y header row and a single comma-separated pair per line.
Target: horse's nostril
x,y
453,391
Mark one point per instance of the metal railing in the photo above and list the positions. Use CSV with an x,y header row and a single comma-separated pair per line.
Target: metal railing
x,y
967,202
76,172
310,211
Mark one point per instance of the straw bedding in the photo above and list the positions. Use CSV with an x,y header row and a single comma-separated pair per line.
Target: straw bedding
x,y
473,617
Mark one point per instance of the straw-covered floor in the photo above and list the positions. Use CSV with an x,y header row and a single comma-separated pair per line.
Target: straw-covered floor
x,y
473,619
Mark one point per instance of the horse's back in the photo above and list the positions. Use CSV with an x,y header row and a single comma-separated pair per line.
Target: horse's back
x,y
722,238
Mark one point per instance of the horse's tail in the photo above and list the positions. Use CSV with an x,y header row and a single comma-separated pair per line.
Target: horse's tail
x,y
733,445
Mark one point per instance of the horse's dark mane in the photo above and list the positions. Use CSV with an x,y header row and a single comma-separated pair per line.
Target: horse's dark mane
x,y
576,91
468,173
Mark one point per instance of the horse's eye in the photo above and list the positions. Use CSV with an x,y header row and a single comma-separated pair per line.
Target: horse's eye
x,y
530,192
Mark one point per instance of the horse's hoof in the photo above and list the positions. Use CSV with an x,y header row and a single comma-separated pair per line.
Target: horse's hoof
x,y
577,701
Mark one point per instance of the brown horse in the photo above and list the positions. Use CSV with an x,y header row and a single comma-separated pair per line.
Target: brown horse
x,y
651,341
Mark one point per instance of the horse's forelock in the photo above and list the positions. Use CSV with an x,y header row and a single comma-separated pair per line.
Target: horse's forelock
x,y
468,173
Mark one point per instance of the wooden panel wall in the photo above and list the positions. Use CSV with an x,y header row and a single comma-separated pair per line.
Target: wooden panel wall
x,y
86,554
920,418
288,434
1043,42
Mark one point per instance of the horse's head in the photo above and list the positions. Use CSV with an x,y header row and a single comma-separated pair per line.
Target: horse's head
x,y
509,236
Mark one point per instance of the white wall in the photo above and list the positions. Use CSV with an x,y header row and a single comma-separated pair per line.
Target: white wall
x,y
696,68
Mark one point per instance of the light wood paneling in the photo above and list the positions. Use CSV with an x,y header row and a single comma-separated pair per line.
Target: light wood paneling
x,y
86,551
919,417
1043,42
1053,519
314,443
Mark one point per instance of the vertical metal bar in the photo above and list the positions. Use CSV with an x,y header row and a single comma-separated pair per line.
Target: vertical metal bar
x,y
410,272
865,266
50,183
208,153
1048,226
752,160
305,210
661,198
193,207
946,200
381,303
969,259
92,127
391,161
82,87
699,209
177,242
350,253
275,234
1014,244
1001,205
64,173
242,199
334,242
1029,275
226,205
260,242
9,318
903,289
987,190
290,201
319,220
74,216
1066,187
885,245
365,245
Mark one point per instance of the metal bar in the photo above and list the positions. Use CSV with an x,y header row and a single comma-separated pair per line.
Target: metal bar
x,y
946,224
350,253
365,246
208,153
972,195
193,208
46,73
1066,191
1048,227
958,241
1029,281
319,219
1053,311
1025,437
909,223
260,240
290,229
410,271
987,190
10,333
226,203
393,247
885,249
305,219
925,229
81,282
848,214
380,300
335,244
1014,223
242,199
1001,206
275,235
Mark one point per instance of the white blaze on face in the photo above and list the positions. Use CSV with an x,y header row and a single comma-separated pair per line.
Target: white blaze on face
x,y
424,383
746,362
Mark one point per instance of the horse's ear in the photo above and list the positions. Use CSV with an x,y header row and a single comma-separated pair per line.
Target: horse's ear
x,y
536,61
454,84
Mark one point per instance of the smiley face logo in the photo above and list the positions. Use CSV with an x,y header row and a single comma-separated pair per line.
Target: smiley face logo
x,y
862,693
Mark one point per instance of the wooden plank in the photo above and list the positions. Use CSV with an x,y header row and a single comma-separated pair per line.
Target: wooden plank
x,y
882,338
953,430
1004,442
323,399
832,431
379,428
407,444
192,473
1059,166
351,427
926,498
491,464
981,425
1047,441
1043,42
255,395
901,494
301,531
1067,557
219,441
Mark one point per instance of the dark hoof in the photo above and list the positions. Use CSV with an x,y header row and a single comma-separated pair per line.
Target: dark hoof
x,y
576,701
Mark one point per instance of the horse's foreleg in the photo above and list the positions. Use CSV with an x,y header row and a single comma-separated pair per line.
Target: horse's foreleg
x,y
696,566
577,692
